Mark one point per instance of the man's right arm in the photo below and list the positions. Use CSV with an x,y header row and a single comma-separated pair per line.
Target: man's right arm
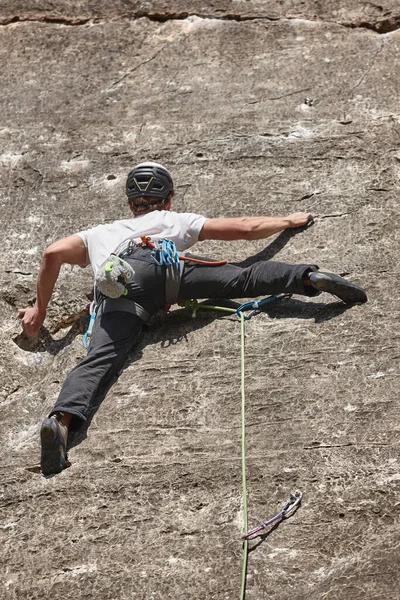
x,y
250,228
70,250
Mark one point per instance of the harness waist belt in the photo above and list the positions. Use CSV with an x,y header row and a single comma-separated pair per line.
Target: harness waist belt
x,y
123,305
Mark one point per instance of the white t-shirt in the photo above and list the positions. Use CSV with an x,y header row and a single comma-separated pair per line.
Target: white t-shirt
x,y
181,228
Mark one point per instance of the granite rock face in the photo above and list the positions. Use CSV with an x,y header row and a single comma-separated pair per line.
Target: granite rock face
x,y
256,108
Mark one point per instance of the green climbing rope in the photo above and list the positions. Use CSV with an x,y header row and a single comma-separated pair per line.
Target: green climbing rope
x,y
244,484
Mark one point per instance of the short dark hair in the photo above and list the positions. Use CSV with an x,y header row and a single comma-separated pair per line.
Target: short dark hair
x,y
142,204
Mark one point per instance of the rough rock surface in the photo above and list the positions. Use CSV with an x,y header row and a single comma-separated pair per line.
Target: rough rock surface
x,y
257,108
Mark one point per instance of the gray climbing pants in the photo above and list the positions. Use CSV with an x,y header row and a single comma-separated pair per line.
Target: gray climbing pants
x,y
116,334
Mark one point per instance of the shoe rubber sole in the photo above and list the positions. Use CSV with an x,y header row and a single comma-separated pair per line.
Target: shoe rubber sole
x,y
53,456
347,291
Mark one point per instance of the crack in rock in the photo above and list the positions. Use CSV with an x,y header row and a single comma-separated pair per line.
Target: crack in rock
x,y
335,215
380,27
68,21
383,26
133,69
156,17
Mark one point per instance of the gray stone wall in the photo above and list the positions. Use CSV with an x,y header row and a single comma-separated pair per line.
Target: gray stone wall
x,y
256,108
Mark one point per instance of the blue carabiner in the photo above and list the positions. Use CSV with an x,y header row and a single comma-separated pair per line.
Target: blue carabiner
x,y
165,254
176,257
168,253
254,305
242,307
86,337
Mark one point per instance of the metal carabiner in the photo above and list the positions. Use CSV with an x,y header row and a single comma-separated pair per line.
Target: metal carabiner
x,y
243,307
292,504
87,335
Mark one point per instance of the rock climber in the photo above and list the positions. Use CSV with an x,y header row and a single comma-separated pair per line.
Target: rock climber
x,y
140,265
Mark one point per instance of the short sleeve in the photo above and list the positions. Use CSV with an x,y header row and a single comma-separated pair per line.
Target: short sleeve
x,y
191,225
84,237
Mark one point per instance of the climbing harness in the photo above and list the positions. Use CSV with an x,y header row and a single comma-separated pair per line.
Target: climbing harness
x,y
165,253
113,305
116,273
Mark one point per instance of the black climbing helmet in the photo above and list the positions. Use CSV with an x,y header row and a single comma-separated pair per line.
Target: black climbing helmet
x,y
149,180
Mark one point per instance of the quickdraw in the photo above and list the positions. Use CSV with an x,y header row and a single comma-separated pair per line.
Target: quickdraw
x,y
255,306
286,511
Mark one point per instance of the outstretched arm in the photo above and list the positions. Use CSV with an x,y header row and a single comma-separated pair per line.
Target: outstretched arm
x,y
250,228
70,250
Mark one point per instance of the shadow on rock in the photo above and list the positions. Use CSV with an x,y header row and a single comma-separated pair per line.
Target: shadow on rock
x,y
172,328
45,342
274,247
290,308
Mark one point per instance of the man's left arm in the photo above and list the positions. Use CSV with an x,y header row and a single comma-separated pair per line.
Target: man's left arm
x,y
250,228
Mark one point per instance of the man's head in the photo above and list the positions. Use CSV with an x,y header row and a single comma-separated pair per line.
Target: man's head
x,y
149,187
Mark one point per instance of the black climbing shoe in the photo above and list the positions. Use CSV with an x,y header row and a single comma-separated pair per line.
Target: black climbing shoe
x,y
53,436
342,288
